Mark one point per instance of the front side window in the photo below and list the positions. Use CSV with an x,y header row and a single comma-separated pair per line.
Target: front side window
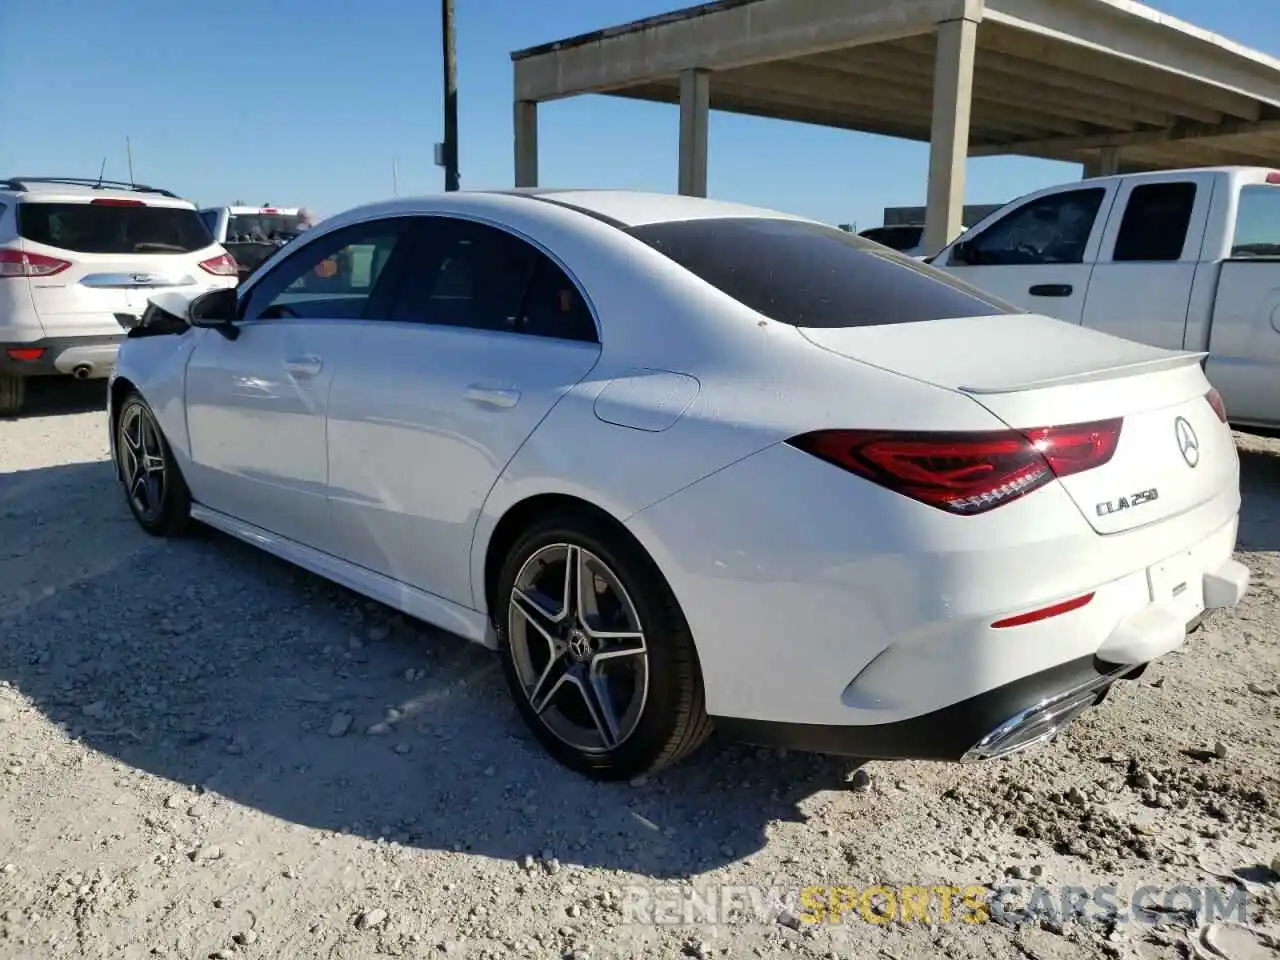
x,y
1155,222
107,226
334,276
809,275
901,239
1257,222
1049,229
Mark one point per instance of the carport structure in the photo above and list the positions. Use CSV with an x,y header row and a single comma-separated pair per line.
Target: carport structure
x,y
1113,85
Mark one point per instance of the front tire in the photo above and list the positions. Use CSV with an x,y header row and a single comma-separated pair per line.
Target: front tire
x,y
13,394
154,487
596,651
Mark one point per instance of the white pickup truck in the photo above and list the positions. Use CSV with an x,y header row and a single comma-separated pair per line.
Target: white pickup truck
x,y
1182,259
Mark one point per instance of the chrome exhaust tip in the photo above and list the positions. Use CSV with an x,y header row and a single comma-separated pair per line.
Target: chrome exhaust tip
x,y
1042,721
82,371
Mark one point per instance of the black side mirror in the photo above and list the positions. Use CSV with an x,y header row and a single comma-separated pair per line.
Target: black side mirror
x,y
217,309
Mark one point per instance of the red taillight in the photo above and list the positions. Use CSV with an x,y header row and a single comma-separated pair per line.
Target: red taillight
x,y
223,265
966,473
1273,176
1215,401
15,263
25,354
1044,613
112,202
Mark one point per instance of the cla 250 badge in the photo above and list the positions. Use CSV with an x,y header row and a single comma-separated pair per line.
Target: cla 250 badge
x,y
1108,507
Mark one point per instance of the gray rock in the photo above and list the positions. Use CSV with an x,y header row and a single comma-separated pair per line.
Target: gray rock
x,y
340,724
368,919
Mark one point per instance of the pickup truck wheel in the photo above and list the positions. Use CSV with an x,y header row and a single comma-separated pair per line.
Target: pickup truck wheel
x,y
13,392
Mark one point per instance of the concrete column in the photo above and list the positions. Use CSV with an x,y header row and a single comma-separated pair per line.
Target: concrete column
x,y
949,137
695,109
526,143
1105,164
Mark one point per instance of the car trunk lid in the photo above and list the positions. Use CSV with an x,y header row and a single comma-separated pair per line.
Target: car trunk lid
x,y
1173,454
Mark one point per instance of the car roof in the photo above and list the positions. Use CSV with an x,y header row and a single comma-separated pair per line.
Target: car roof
x,y
636,208
75,190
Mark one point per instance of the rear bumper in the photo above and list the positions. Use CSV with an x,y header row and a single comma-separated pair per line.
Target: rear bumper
x,y
1014,716
996,723
85,357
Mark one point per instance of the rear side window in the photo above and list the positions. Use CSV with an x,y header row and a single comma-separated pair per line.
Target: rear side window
x,y
809,275
107,228
1155,222
210,220
1257,222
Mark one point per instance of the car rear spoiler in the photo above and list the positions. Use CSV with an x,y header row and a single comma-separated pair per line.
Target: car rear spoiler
x,y
1155,365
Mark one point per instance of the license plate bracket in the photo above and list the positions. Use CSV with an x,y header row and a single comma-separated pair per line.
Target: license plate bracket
x,y
1177,583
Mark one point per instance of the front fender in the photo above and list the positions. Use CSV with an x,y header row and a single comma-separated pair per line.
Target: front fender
x,y
156,367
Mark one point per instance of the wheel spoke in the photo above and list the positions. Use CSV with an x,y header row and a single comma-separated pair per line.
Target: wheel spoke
x,y
571,605
595,694
554,677
615,645
536,615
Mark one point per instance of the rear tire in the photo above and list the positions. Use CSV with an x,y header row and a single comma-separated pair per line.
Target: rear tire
x,y
153,484
13,394
631,699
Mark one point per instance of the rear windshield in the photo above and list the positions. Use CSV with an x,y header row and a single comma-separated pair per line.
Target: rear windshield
x,y
809,275
103,228
256,227
895,238
1258,222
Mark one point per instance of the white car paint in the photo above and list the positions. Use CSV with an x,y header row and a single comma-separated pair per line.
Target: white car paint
x,y
383,454
1201,293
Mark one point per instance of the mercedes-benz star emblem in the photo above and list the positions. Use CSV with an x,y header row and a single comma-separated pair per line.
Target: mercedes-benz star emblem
x,y
1188,443
579,646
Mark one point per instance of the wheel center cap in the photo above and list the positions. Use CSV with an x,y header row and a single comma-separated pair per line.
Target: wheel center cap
x,y
579,646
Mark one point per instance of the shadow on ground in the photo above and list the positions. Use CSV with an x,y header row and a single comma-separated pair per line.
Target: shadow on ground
x,y
58,396
207,662
1260,509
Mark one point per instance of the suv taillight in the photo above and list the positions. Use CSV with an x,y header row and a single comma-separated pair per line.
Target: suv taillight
x,y
966,473
1215,401
223,265
15,263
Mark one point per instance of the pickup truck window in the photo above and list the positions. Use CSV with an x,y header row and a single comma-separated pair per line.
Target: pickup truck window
x,y
1050,229
1257,223
1155,222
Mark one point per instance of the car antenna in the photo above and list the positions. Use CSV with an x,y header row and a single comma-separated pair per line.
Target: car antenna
x,y
102,171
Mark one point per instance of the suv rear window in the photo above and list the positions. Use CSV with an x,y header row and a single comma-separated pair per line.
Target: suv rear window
x,y
810,275
105,228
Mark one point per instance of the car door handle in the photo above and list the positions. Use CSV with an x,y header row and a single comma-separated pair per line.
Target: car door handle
x,y
304,366
1051,290
493,396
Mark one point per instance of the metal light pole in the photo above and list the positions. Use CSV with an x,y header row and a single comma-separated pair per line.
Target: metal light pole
x,y
450,98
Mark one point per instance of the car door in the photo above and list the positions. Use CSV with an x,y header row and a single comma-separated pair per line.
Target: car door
x,y
256,404
1038,255
487,334
1141,285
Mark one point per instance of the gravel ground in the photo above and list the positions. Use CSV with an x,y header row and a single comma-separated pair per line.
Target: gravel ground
x,y
207,753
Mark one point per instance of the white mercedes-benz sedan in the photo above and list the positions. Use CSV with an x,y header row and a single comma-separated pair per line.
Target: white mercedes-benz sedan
x,y
687,464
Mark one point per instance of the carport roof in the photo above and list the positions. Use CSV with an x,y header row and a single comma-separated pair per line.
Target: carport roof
x,y
1060,79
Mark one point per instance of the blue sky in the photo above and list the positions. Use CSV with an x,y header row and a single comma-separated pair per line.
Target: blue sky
x,y
308,102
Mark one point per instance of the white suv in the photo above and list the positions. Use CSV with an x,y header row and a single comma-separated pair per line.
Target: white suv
x,y
78,260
